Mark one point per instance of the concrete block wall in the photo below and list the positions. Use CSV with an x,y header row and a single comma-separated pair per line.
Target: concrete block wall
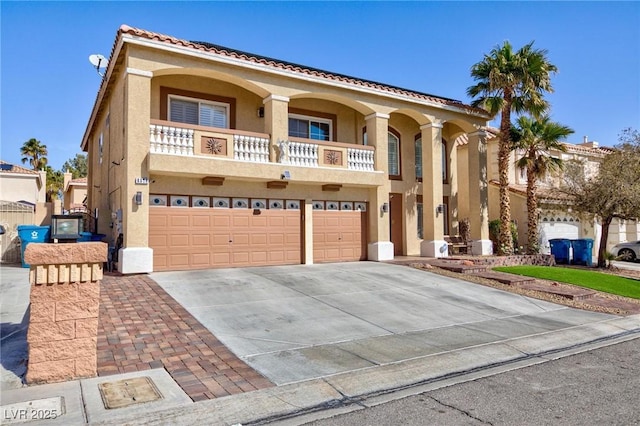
x,y
65,299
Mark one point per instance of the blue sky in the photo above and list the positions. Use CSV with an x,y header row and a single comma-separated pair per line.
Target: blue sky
x,y
48,86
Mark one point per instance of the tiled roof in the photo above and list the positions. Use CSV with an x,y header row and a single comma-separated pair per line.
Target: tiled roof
x,y
12,168
289,66
543,193
78,181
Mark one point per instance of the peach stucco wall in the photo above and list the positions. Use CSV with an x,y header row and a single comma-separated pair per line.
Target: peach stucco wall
x,y
134,100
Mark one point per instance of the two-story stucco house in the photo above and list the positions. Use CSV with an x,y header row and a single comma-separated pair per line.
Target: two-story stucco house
x,y
203,156
556,217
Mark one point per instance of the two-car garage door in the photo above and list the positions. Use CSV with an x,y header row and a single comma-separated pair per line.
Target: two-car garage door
x,y
191,235
193,238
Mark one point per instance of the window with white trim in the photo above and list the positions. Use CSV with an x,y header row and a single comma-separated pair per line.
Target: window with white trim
x,y
303,126
198,112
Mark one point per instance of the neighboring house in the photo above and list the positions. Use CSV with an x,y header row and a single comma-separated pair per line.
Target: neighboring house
x,y
203,156
22,185
556,218
74,193
22,202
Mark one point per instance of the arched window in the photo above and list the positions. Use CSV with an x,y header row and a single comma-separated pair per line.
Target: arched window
x,y
445,162
394,154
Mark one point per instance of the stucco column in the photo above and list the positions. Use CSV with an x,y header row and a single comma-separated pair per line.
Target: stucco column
x,y
479,194
307,226
380,247
135,256
433,244
633,230
276,122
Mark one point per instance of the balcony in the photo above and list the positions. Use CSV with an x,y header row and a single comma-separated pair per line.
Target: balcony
x,y
185,140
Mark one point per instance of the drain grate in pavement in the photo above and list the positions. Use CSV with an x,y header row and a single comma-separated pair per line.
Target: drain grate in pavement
x,y
123,393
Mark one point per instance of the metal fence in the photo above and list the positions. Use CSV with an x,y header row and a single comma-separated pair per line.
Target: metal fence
x,y
13,214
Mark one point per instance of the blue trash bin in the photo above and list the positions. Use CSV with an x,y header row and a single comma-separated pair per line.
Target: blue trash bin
x,y
32,234
582,249
560,249
84,237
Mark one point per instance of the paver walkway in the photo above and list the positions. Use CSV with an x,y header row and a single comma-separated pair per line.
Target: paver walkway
x,y
141,327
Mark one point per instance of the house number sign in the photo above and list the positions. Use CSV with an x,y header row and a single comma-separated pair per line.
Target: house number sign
x,y
142,181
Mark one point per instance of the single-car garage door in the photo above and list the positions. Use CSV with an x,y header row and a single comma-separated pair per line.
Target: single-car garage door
x,y
566,227
339,231
198,238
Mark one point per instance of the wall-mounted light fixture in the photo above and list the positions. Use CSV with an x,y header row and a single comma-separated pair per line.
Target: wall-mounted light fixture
x,y
384,208
138,198
440,209
261,112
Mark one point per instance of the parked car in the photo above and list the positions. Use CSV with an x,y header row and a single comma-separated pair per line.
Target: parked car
x,y
627,251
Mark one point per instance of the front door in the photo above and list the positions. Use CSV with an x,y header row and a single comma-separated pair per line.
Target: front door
x,y
395,218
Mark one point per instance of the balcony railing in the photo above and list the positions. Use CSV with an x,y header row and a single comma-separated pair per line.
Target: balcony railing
x,y
250,148
167,138
330,154
170,140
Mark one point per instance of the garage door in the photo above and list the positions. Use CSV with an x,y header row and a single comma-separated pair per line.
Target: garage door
x,y
203,237
568,228
339,231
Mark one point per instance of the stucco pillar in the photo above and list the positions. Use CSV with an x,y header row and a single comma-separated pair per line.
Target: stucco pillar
x,y
276,122
65,300
433,244
42,189
633,230
380,247
307,226
135,256
479,194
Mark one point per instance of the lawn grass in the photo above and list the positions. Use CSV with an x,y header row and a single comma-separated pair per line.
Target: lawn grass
x,y
607,283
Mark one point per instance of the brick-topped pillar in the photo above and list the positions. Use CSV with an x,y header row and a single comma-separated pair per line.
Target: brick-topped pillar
x,y
65,296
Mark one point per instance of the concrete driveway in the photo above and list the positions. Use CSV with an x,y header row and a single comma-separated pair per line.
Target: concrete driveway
x,y
300,322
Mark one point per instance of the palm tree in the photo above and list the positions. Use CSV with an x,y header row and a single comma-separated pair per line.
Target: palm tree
x,y
510,81
536,138
55,182
35,153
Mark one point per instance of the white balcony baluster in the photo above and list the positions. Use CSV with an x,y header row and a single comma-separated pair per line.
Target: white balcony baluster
x,y
251,149
170,140
360,159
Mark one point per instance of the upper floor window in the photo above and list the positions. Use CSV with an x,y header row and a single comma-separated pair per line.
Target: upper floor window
x,y
302,126
394,155
198,112
445,162
100,149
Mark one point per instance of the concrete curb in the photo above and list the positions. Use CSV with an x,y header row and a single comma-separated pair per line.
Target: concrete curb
x,y
352,388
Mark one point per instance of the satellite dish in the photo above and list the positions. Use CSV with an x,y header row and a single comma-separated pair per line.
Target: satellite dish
x,y
98,61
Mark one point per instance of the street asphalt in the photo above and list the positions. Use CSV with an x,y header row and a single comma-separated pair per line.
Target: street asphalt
x,y
328,335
